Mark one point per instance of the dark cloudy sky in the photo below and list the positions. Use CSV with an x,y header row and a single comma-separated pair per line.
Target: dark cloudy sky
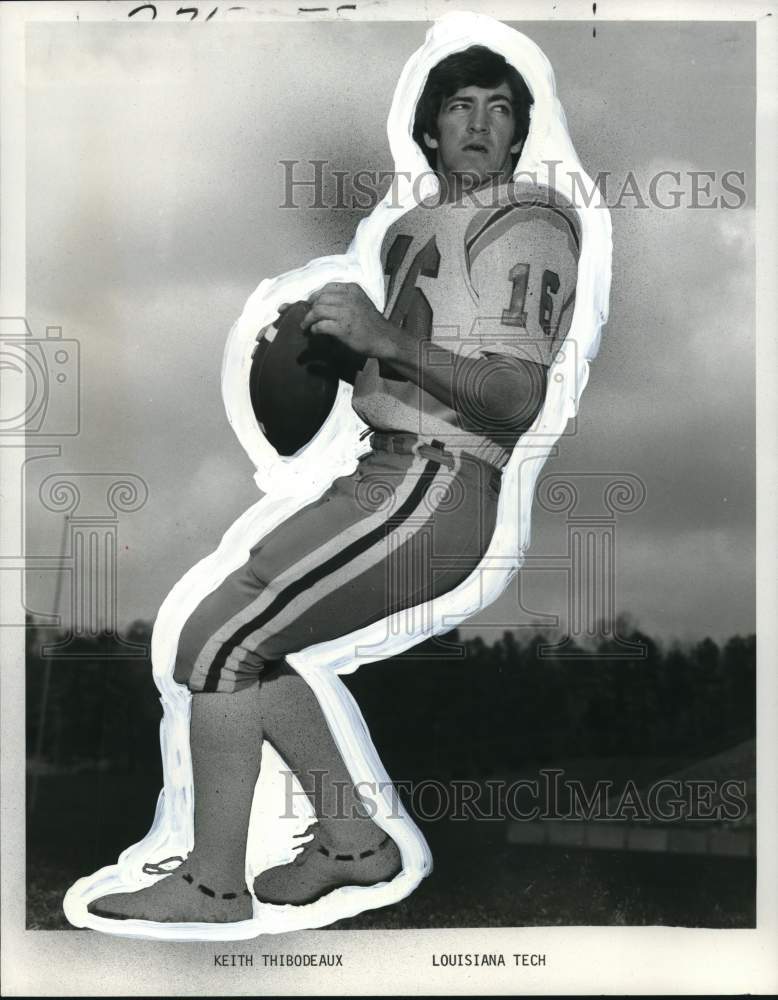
x,y
154,186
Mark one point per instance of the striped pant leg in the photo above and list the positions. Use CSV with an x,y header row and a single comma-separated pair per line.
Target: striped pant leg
x,y
401,530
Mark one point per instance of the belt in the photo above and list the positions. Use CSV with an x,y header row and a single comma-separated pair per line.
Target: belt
x,y
406,443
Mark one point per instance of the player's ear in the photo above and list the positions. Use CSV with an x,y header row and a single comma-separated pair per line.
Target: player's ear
x,y
517,146
430,141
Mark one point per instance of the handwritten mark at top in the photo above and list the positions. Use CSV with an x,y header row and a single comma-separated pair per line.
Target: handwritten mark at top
x,y
192,12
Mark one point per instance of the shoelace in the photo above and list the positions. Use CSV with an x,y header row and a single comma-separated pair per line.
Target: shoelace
x,y
158,867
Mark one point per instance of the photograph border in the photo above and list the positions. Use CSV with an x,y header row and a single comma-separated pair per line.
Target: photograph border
x,y
580,960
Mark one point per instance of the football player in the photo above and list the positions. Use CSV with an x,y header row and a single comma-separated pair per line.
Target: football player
x,y
480,283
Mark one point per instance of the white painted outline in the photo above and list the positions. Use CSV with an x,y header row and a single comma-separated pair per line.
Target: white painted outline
x,y
291,483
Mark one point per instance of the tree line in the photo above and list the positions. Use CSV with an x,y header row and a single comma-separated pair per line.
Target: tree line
x,y
449,708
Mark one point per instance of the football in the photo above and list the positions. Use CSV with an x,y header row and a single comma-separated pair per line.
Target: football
x,y
294,379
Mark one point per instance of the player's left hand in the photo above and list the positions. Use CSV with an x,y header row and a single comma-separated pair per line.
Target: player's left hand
x,y
345,312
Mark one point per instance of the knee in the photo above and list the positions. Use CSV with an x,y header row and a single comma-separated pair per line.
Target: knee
x,y
284,686
218,667
272,669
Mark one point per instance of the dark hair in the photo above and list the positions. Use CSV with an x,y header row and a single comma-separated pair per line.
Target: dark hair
x,y
474,67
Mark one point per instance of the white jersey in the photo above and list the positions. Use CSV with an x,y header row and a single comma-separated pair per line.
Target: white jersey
x,y
474,281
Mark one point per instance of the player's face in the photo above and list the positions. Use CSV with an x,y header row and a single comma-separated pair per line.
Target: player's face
x,y
475,136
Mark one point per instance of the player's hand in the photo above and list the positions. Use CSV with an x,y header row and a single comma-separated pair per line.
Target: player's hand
x,y
344,311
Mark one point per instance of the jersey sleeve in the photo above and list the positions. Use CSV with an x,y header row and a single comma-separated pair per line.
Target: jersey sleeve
x,y
523,266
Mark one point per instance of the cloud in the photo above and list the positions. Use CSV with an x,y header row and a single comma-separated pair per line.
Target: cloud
x,y
154,184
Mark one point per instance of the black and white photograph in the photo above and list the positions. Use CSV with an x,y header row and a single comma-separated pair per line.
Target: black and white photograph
x,y
389,478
